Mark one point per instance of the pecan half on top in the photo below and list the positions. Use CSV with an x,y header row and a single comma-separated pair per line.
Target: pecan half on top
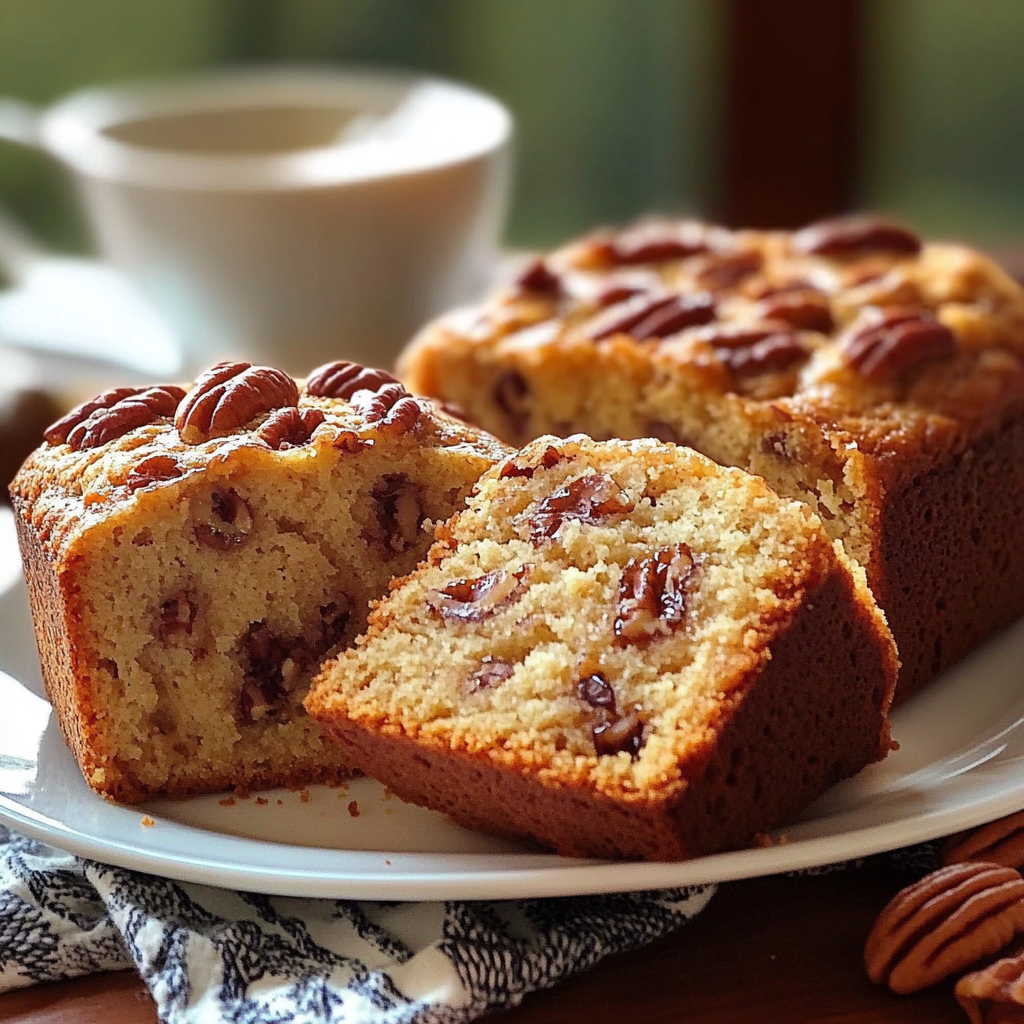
x,y
652,594
113,414
290,427
648,316
853,236
994,994
392,410
474,600
153,470
887,342
341,379
943,924
998,842
808,310
653,242
537,278
588,499
764,348
229,396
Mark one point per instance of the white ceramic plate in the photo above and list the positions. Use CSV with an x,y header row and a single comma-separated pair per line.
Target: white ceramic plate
x,y
959,764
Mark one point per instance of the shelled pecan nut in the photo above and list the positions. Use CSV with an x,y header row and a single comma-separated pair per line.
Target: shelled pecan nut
x,y
766,348
588,499
153,470
473,600
223,520
526,466
726,270
112,414
537,278
994,994
943,924
622,735
290,427
391,409
654,242
492,671
807,311
229,396
653,593
342,379
647,316
398,513
998,842
886,342
849,236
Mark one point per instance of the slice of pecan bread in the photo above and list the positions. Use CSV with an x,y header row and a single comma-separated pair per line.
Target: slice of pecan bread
x,y
192,556
619,649
877,378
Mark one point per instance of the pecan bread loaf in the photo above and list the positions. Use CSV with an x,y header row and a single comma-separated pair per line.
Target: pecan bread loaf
x,y
620,649
876,378
192,555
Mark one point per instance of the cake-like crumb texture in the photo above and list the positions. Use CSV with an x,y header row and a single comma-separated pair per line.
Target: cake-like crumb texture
x,y
876,377
184,592
618,649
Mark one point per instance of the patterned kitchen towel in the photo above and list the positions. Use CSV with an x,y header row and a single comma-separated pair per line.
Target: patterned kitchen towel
x,y
211,956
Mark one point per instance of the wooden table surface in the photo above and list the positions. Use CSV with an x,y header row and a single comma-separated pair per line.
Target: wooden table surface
x,y
766,951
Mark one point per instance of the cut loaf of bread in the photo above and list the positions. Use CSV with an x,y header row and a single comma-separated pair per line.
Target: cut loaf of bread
x,y
192,557
619,649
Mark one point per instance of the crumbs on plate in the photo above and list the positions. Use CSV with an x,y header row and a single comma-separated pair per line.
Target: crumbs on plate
x,y
353,808
147,821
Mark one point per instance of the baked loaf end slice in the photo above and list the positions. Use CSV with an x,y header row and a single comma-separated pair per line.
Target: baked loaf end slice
x,y
192,556
878,378
620,649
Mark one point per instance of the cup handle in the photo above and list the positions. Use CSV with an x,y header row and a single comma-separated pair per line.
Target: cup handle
x,y
19,122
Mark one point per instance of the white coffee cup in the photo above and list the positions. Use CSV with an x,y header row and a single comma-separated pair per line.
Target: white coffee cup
x,y
287,215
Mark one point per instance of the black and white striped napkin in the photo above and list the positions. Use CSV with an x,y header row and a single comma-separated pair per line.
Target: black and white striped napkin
x,y
211,956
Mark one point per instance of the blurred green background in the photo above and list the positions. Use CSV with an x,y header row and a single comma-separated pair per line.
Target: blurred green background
x,y
617,102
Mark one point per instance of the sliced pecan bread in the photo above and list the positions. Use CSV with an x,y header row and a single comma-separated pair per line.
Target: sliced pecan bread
x,y
193,554
875,377
619,649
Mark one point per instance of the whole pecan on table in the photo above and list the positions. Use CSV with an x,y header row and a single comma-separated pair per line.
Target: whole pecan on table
x,y
946,922
884,343
113,414
229,396
994,994
998,842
